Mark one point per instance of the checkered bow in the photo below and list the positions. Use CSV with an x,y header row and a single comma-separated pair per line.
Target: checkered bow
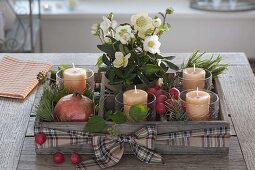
x,y
108,151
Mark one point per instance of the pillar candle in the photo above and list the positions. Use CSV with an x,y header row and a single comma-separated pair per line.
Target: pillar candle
x,y
193,78
133,97
197,105
75,79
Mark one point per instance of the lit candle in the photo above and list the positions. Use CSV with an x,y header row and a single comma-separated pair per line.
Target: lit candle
x,y
75,79
193,78
133,97
197,105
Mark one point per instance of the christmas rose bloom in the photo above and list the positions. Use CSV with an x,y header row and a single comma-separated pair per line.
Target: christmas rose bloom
x,y
156,22
94,29
106,24
124,34
141,21
152,44
121,60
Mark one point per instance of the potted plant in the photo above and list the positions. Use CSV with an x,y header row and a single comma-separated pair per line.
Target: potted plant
x,y
131,51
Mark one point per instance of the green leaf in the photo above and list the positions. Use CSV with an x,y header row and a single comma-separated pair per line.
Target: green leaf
x,y
108,115
107,48
63,67
119,118
171,65
150,69
99,61
143,78
110,74
169,57
138,112
105,60
95,124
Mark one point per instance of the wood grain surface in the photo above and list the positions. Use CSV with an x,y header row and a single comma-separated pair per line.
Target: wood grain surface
x,y
239,93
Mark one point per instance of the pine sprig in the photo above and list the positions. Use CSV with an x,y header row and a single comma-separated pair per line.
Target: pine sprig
x,y
212,64
51,95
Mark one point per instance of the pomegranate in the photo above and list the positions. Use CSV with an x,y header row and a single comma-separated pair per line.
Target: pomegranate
x,y
73,107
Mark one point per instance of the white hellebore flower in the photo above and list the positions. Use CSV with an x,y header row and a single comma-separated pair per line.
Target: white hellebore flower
x,y
151,44
121,60
106,24
141,21
156,22
124,34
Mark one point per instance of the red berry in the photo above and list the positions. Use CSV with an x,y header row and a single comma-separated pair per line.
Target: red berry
x,y
75,158
161,98
58,157
159,92
160,108
152,90
169,103
40,138
174,92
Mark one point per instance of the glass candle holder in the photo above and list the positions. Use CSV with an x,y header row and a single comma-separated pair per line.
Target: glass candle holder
x,y
77,86
200,105
185,84
151,105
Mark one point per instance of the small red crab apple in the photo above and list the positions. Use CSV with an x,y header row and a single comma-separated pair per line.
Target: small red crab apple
x,y
161,98
174,92
152,90
75,158
40,138
160,108
58,157
159,92
169,103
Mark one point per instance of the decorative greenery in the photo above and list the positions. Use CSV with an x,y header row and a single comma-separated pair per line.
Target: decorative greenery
x,y
138,112
119,118
113,131
177,111
95,124
212,64
51,95
131,51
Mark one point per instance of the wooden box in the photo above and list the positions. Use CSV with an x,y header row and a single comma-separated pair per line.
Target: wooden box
x,y
130,128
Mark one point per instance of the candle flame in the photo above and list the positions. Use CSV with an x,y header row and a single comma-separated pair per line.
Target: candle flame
x,y
194,67
135,89
73,65
197,91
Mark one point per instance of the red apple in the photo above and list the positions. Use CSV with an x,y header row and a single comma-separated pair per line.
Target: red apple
x,y
73,107
160,108
40,138
174,92
161,98
75,158
152,90
159,92
58,157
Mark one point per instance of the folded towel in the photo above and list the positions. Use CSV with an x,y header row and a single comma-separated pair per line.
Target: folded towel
x,y
19,77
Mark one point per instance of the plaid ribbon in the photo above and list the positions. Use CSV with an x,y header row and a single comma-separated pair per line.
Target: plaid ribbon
x,y
108,151
210,137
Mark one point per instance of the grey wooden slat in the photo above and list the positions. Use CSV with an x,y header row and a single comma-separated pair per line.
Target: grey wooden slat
x,y
14,118
30,128
29,160
238,88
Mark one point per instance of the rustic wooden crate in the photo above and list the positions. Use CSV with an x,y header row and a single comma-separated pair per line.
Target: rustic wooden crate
x,y
129,128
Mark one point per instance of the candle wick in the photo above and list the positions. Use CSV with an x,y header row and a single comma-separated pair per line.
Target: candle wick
x,y
194,67
135,89
73,65
197,91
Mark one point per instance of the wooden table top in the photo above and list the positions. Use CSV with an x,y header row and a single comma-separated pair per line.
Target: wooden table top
x,y
238,90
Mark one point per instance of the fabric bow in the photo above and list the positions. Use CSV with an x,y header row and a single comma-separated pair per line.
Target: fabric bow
x,y
108,151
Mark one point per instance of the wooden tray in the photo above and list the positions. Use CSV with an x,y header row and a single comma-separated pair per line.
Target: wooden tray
x,y
129,128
